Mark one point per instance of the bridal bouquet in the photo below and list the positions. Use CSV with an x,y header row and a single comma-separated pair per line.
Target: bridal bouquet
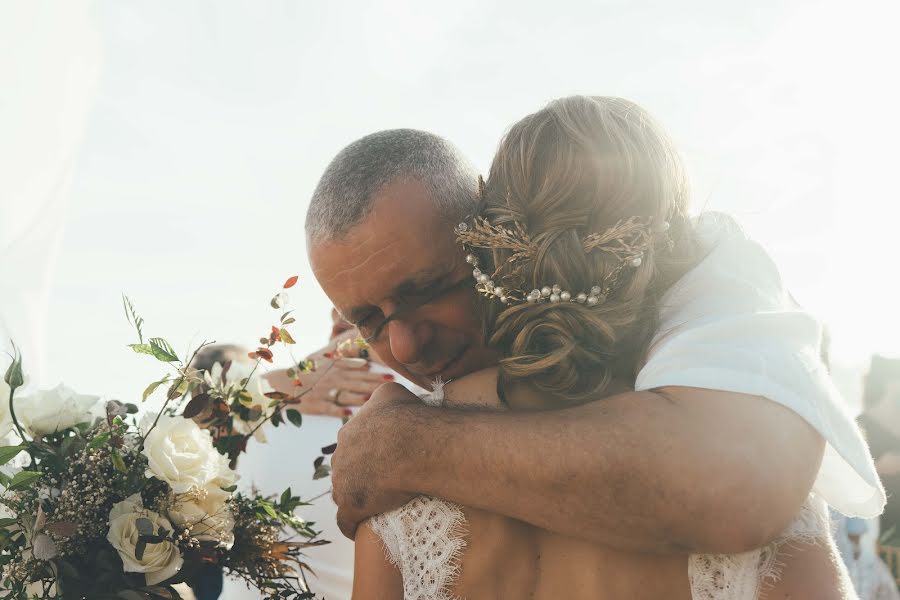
x,y
102,501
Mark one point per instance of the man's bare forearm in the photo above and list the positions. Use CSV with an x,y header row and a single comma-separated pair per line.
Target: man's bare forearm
x,y
681,470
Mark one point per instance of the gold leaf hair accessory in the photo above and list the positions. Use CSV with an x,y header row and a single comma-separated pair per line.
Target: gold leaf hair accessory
x,y
627,241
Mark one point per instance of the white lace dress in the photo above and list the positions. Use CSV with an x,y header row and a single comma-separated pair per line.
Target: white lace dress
x,y
426,537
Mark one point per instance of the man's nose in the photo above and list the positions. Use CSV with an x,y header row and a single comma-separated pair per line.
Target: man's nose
x,y
409,340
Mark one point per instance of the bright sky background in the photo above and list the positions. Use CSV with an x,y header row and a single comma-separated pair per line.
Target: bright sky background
x,y
210,122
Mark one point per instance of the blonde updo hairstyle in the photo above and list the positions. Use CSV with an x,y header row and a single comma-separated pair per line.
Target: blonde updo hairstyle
x,y
576,167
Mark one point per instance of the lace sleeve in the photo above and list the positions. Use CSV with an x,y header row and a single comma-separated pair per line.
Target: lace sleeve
x,y
424,539
742,576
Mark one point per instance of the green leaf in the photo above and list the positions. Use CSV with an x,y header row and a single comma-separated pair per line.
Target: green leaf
x,y
133,317
14,377
270,510
139,548
286,496
99,440
162,350
6,522
117,461
230,489
152,387
144,526
178,388
295,417
286,337
141,348
322,471
23,479
158,348
245,398
7,453
289,320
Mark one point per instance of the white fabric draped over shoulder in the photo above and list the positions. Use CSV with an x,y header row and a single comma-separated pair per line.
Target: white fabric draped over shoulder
x,y
730,324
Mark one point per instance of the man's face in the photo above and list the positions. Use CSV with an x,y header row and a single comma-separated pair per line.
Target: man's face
x,y
403,264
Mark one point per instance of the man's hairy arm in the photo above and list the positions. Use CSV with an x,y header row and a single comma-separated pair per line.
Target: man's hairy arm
x,y
672,470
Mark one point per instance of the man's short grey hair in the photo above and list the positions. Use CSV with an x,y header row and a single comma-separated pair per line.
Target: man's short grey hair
x,y
345,193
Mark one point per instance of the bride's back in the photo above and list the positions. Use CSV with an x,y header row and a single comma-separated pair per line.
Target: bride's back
x,y
506,558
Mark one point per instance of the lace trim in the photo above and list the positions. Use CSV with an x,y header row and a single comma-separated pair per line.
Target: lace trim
x,y
424,539
743,576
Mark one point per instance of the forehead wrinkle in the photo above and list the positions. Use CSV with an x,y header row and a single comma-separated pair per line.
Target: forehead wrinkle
x,y
349,272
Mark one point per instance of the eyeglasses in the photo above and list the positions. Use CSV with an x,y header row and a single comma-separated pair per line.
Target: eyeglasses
x,y
371,328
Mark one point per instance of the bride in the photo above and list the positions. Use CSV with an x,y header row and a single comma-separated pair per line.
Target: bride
x,y
580,195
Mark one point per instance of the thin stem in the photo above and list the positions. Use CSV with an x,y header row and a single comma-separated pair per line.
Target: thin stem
x,y
322,495
168,399
281,405
252,371
12,413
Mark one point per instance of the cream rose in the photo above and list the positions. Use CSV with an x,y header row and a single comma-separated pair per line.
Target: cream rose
x,y
206,514
159,561
49,411
180,453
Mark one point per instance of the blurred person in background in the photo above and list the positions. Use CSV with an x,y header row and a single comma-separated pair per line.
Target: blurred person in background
x,y
880,421
871,578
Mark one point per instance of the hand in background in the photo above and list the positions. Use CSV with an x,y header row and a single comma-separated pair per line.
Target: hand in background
x,y
888,464
335,385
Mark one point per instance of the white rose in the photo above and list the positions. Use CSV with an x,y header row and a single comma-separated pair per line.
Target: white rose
x,y
180,453
6,423
206,514
160,561
49,411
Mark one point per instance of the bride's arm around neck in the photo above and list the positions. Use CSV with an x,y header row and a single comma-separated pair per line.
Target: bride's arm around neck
x,y
374,576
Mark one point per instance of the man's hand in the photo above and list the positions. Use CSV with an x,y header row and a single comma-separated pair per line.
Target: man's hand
x,y
888,464
368,449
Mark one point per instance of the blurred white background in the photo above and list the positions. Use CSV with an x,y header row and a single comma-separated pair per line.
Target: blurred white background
x,y
168,149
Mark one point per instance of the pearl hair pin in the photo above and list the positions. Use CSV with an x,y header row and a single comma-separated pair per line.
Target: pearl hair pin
x,y
552,294
627,240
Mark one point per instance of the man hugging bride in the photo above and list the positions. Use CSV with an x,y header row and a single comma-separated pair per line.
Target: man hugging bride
x,y
636,407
